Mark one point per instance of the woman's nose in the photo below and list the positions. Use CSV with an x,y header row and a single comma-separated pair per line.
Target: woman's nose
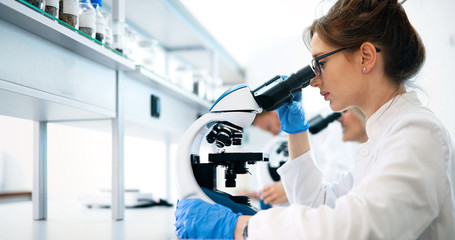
x,y
315,82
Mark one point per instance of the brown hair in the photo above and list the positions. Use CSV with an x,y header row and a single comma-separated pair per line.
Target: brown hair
x,y
384,23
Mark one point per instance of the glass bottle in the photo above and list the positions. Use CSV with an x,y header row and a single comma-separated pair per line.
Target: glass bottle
x,y
69,12
108,38
100,21
147,53
52,7
87,18
37,3
117,28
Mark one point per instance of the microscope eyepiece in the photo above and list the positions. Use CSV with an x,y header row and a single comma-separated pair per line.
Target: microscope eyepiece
x,y
278,90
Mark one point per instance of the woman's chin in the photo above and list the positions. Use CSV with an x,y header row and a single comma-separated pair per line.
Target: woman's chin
x,y
336,107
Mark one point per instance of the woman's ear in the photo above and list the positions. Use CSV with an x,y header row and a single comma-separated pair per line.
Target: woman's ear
x,y
369,57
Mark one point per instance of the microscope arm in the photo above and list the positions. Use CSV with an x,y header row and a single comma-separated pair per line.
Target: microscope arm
x,y
187,186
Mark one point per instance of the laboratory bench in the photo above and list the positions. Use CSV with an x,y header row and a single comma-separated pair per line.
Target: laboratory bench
x,y
78,222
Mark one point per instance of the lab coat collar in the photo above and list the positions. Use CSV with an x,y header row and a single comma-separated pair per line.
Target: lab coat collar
x,y
388,112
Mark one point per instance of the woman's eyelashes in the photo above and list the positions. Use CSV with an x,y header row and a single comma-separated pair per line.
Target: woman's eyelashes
x,y
321,64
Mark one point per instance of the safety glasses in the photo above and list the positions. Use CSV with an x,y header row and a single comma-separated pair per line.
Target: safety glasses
x,y
316,65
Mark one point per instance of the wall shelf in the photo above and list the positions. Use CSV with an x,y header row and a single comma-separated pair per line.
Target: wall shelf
x,y
165,85
180,34
28,103
29,19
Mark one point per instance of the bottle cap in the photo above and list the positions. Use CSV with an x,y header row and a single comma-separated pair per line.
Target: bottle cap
x,y
99,2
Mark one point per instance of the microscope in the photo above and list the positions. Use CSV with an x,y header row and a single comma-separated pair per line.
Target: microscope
x,y
223,126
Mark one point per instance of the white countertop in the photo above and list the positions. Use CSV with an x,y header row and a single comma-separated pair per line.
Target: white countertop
x,y
78,222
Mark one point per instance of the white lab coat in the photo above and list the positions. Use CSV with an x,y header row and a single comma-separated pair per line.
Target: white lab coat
x,y
400,189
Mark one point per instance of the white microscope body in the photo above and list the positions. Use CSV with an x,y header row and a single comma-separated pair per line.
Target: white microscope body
x,y
236,106
223,125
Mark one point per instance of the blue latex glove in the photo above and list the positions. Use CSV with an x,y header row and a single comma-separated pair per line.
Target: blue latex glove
x,y
292,116
195,218
262,204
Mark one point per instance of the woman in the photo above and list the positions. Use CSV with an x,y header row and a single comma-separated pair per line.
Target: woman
x,y
364,52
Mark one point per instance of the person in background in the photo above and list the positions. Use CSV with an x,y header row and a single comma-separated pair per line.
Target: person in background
x,y
268,121
353,124
364,54
273,193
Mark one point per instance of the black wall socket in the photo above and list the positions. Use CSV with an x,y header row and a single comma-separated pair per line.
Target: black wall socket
x,y
155,106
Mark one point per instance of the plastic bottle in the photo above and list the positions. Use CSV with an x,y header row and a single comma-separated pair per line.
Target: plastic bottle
x,y
118,28
100,21
87,18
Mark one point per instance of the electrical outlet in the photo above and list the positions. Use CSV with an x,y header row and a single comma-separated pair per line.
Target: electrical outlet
x,y
155,106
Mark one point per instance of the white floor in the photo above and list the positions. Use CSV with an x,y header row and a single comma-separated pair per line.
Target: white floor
x,y
78,222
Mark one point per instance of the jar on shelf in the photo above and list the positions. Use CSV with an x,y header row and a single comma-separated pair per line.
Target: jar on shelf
x,y
200,78
87,18
69,12
37,3
117,28
183,75
129,41
100,34
147,53
214,88
52,7
108,38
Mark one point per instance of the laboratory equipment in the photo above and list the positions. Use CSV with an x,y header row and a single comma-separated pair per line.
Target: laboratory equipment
x,y
69,12
37,3
223,125
100,21
51,7
319,123
87,18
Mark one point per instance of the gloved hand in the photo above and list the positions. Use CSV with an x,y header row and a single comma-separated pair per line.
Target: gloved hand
x,y
292,116
195,218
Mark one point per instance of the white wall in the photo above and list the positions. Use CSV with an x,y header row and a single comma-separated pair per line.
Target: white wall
x,y
434,21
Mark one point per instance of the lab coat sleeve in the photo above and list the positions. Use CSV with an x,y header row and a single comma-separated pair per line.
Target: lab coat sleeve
x,y
398,199
304,185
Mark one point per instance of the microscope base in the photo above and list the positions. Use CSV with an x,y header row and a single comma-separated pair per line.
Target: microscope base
x,y
225,200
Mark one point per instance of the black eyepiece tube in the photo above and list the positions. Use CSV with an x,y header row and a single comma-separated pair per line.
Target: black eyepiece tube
x,y
277,91
318,123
